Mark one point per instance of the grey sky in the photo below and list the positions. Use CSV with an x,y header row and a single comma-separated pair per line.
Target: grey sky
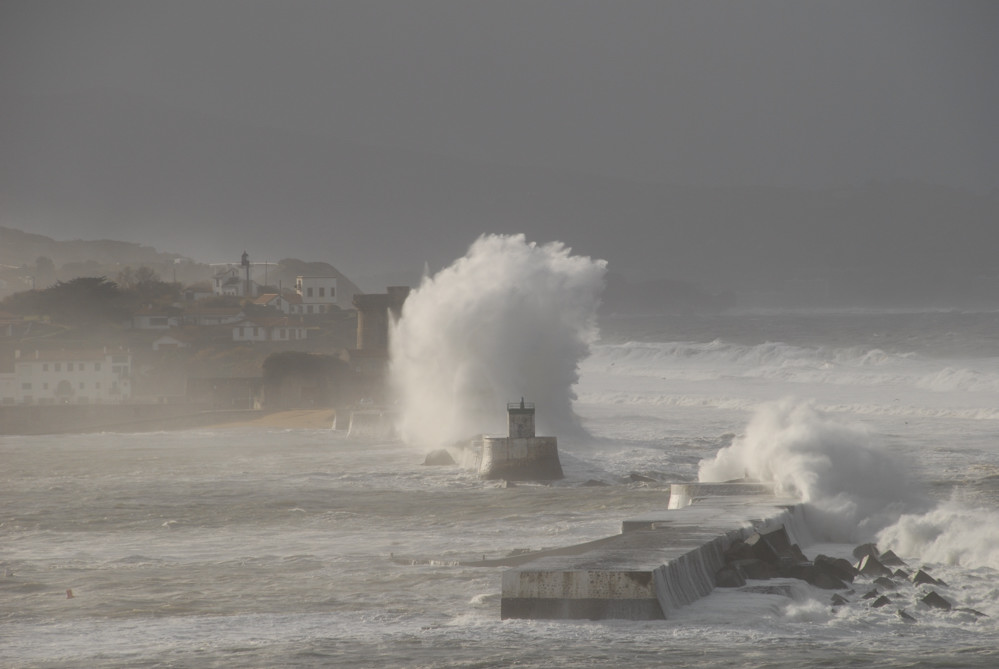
x,y
693,92
807,95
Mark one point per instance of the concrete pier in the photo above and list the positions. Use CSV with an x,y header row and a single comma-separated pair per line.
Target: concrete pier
x,y
659,562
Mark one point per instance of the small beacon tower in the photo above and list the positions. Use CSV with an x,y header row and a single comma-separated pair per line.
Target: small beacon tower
x,y
521,456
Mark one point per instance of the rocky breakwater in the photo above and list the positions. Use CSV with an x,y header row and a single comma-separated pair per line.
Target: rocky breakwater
x,y
877,580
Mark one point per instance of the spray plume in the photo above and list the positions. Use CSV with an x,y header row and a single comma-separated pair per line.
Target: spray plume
x,y
854,488
510,319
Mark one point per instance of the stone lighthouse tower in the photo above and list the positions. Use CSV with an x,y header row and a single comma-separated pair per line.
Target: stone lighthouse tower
x,y
520,456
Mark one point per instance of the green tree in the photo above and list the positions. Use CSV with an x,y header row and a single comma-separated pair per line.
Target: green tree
x,y
82,301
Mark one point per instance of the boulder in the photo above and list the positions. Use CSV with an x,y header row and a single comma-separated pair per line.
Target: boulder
x,y
901,574
781,544
820,578
889,559
797,555
922,577
936,601
440,457
865,549
738,550
880,601
761,548
729,577
753,568
839,600
838,567
871,594
885,583
870,566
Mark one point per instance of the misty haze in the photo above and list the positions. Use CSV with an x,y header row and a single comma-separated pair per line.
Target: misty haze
x,y
522,333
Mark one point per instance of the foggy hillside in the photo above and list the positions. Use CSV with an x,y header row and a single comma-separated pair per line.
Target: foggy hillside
x,y
210,188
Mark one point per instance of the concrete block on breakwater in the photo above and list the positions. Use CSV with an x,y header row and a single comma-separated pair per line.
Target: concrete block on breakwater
x,y
660,561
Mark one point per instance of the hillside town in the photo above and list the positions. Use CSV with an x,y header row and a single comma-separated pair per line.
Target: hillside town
x,y
249,336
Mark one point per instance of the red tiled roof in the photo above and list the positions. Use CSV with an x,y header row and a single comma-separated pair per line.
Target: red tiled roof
x,y
266,298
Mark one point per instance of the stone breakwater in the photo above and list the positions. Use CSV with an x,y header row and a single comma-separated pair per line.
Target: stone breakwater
x,y
660,561
737,536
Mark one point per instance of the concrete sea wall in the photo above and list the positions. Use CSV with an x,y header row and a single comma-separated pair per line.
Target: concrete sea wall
x,y
660,561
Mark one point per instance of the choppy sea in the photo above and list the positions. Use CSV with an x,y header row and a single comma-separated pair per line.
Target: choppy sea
x,y
299,548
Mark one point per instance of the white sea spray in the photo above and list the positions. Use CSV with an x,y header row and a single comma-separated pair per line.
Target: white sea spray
x,y
852,485
510,319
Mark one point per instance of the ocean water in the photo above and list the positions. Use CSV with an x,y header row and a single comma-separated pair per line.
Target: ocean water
x,y
299,548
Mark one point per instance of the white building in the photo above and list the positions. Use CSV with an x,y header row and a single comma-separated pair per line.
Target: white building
x,y
231,280
269,329
154,318
68,377
318,293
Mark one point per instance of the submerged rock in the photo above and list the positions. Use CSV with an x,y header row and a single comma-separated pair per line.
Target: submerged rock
x,y
922,577
880,601
839,600
782,589
885,583
905,616
936,601
440,457
973,612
